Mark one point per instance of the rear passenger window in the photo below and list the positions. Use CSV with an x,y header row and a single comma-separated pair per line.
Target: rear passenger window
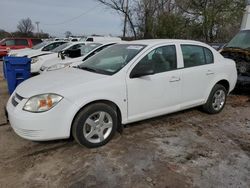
x,y
90,39
196,55
21,42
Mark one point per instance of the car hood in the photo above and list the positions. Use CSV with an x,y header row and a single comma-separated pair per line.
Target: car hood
x,y
47,57
13,52
31,53
57,60
60,82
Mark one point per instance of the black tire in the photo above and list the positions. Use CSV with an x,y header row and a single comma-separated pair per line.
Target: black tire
x,y
208,107
84,114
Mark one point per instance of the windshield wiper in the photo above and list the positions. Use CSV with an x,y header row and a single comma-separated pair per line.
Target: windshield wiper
x,y
87,69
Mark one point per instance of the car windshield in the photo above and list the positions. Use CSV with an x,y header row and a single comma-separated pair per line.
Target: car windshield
x,y
40,45
112,59
241,40
61,47
88,48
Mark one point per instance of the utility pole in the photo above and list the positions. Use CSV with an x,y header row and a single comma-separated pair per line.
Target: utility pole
x,y
37,27
125,6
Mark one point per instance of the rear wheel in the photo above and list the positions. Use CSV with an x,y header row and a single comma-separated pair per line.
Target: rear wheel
x,y
217,100
95,125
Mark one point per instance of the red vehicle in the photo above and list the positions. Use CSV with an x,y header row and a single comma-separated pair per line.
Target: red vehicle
x,y
16,43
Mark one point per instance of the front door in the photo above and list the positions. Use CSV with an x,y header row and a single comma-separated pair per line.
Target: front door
x,y
156,94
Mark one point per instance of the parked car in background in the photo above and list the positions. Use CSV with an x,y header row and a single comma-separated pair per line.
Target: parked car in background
x,y
88,51
238,49
122,84
58,54
26,50
16,43
217,46
38,50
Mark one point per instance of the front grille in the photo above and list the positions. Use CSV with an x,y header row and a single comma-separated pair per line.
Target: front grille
x,y
14,102
16,99
27,133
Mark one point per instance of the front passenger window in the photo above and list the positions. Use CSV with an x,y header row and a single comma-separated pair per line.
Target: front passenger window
x,y
163,59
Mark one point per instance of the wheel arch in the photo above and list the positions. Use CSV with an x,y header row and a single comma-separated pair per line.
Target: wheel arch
x,y
108,102
225,83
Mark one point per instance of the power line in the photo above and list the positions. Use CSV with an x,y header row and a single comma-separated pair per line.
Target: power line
x,y
72,19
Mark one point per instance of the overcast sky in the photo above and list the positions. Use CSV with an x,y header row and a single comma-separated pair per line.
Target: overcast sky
x,y
58,16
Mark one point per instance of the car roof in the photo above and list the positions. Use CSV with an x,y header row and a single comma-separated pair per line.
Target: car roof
x,y
152,42
14,38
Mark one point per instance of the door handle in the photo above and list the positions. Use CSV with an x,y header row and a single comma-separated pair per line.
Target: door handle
x,y
175,79
209,72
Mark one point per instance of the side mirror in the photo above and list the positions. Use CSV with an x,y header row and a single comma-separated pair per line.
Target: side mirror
x,y
4,44
142,70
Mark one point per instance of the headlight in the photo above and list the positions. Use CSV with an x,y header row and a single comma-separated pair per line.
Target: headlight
x,y
58,66
42,103
34,60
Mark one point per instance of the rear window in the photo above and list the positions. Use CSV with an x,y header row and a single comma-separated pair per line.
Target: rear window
x,y
21,42
36,41
90,39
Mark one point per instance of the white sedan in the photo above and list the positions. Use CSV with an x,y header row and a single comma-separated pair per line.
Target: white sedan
x,y
57,53
122,84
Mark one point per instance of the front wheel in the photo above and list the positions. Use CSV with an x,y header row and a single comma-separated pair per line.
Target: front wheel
x,y
95,125
217,100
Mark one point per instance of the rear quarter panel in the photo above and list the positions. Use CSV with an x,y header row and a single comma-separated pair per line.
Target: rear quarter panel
x,y
225,69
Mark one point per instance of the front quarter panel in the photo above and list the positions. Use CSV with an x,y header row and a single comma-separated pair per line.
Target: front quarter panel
x,y
111,89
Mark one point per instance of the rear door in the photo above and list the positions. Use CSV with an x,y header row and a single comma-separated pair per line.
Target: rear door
x,y
197,74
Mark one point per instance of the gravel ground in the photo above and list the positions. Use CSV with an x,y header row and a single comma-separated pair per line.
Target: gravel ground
x,y
185,149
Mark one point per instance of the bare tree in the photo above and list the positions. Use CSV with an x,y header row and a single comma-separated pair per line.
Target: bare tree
x,y
120,7
68,34
213,16
25,26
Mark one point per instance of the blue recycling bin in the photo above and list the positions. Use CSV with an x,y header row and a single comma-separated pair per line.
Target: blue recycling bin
x,y
16,70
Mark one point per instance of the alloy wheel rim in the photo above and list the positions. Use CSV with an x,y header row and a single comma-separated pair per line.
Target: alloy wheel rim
x,y
98,127
219,100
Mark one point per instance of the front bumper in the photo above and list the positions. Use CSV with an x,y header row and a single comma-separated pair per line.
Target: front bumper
x,y
51,125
